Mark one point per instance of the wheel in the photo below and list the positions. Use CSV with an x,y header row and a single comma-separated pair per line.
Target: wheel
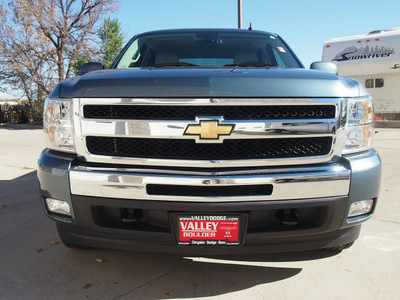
x,y
74,246
341,247
61,234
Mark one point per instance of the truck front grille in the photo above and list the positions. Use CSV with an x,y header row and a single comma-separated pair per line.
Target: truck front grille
x,y
230,149
237,112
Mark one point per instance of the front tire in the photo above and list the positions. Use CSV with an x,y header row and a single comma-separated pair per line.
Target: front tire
x,y
341,247
69,244
74,246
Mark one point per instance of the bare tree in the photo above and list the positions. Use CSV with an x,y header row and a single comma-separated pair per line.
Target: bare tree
x,y
40,40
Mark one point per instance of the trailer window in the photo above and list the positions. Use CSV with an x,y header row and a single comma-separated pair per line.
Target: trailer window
x,y
374,83
379,83
369,83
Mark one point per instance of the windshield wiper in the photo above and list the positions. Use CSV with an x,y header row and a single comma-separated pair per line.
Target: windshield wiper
x,y
254,65
177,64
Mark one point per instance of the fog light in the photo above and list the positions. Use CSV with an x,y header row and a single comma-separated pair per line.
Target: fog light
x,y
58,206
361,207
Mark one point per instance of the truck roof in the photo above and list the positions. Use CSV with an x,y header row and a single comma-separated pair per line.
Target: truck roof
x,y
216,30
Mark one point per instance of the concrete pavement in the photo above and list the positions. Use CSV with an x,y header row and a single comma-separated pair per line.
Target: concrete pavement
x,y
33,265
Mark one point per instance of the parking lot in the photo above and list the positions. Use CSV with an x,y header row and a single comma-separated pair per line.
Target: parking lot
x,y
35,265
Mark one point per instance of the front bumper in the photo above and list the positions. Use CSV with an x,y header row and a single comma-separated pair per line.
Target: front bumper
x,y
321,194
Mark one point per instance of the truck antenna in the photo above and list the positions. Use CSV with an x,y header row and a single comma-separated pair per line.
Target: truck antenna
x,y
251,27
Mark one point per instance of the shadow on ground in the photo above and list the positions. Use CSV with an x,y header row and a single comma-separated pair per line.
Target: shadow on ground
x,y
17,191
130,275
34,265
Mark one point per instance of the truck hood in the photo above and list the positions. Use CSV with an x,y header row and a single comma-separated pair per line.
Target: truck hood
x,y
208,82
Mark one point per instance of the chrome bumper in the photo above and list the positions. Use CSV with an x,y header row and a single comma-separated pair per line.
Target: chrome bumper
x,y
293,183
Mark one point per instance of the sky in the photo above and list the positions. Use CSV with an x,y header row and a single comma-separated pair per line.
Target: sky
x,y
304,24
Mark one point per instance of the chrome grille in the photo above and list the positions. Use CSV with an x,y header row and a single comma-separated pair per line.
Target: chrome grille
x,y
151,131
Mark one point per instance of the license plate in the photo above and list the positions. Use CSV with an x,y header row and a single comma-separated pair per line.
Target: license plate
x,y
208,230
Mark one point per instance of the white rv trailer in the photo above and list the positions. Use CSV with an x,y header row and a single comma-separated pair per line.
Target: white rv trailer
x,y
374,60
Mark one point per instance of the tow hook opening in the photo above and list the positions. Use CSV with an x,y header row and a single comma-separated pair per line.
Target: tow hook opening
x,y
289,217
130,215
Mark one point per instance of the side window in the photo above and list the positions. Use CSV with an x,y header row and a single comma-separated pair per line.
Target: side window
x,y
279,59
130,57
369,83
378,82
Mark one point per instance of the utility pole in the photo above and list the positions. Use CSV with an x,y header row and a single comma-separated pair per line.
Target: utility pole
x,y
240,24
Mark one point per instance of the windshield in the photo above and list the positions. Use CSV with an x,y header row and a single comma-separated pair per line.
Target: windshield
x,y
207,49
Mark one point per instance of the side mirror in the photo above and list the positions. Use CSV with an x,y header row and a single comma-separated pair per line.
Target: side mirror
x,y
91,66
324,66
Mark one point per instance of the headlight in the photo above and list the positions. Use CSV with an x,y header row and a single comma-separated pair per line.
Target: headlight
x,y
57,124
360,125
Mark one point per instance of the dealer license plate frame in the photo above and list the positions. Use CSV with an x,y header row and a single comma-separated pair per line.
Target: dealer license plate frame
x,y
229,217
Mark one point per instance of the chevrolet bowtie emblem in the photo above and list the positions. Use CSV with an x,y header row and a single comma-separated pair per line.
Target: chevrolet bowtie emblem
x,y
209,130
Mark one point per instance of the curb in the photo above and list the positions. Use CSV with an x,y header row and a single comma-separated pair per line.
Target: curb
x,y
387,124
20,126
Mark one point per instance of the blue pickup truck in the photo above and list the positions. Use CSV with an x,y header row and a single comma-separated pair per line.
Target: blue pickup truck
x,y
209,141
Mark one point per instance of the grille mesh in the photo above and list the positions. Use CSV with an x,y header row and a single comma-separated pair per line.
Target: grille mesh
x,y
230,149
166,112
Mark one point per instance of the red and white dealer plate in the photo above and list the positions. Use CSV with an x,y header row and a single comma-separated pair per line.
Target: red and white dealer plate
x,y
208,230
